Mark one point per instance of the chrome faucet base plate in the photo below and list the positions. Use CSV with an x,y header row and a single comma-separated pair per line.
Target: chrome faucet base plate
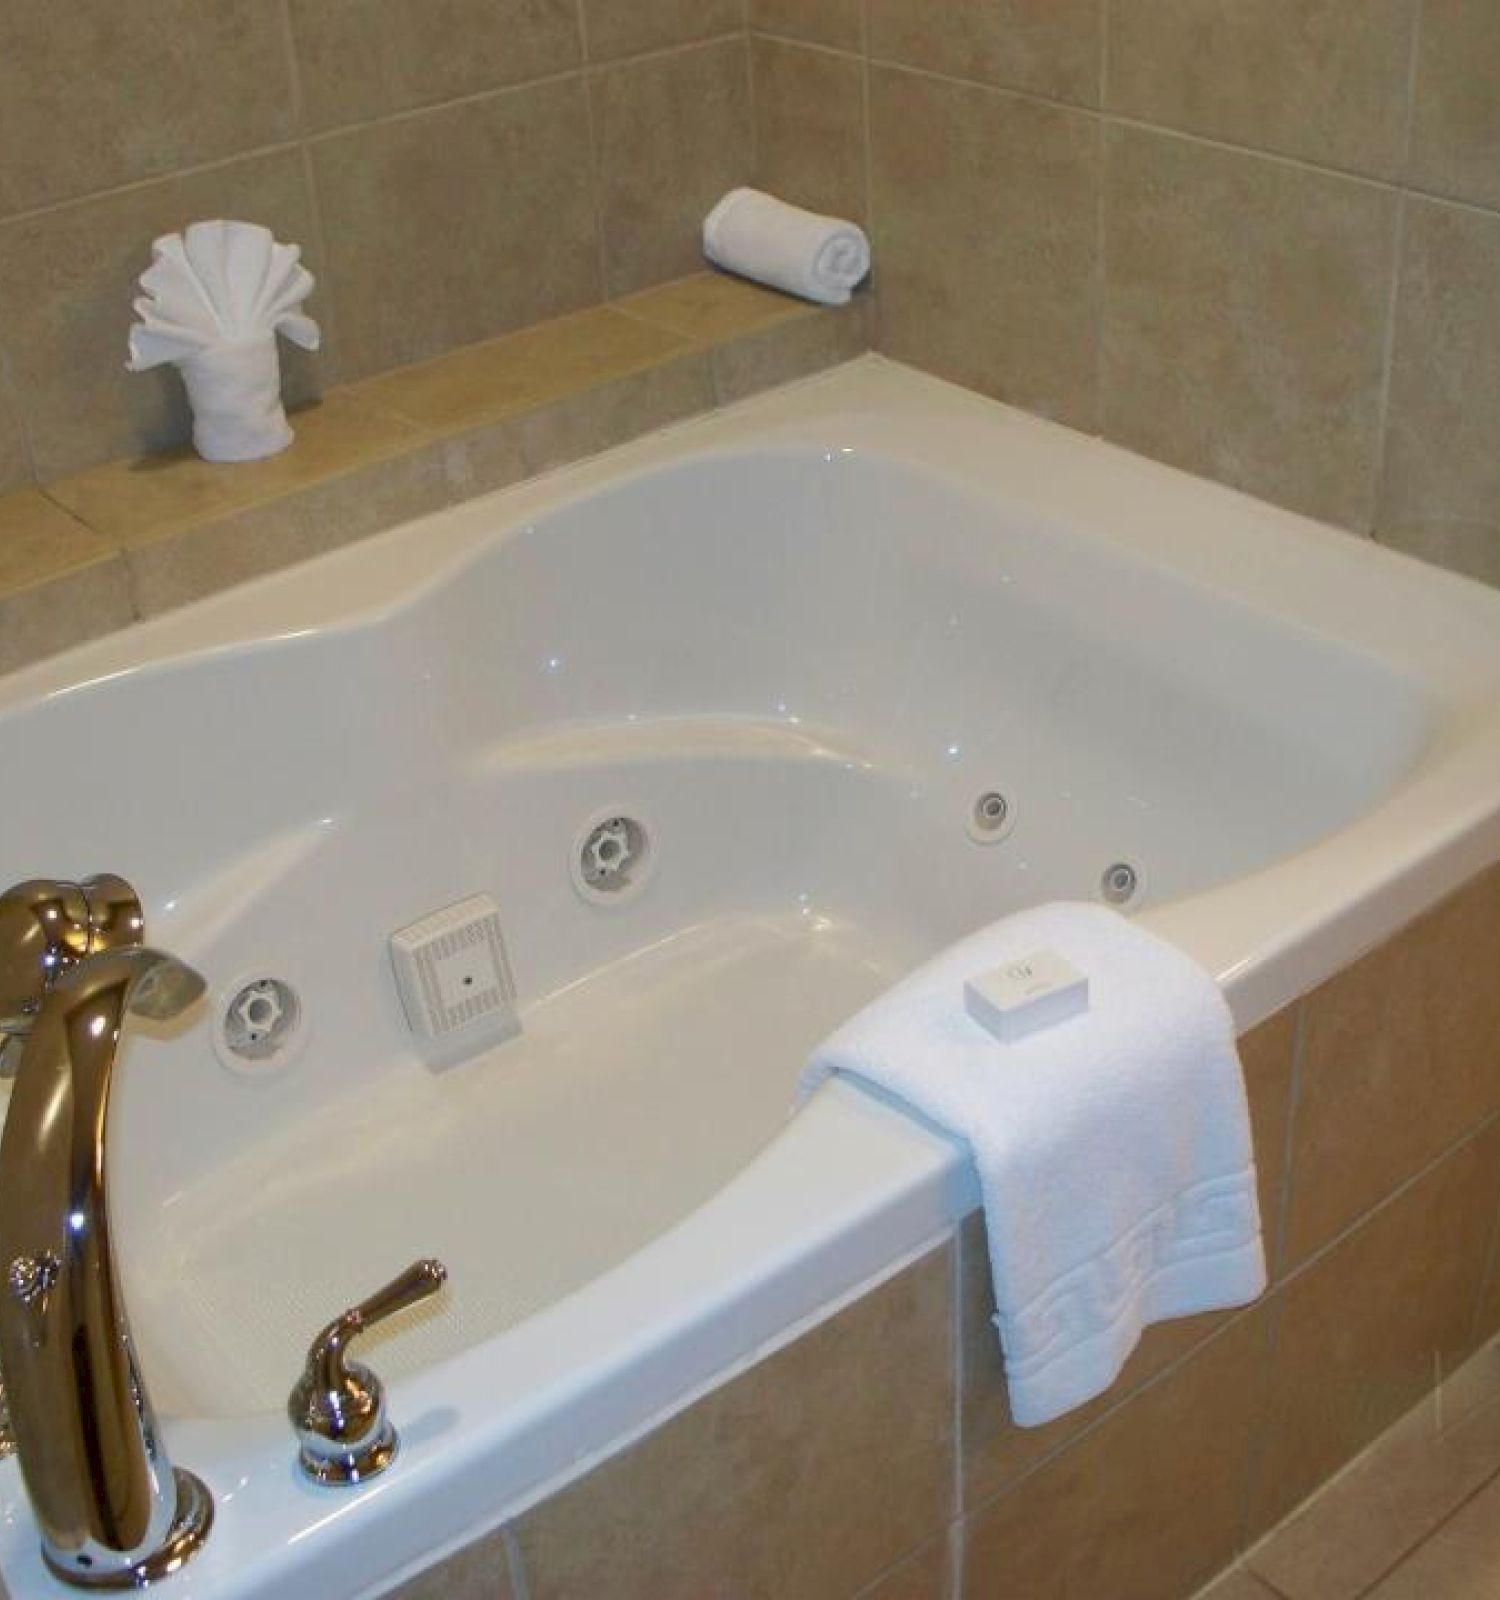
x,y
357,1467
190,1527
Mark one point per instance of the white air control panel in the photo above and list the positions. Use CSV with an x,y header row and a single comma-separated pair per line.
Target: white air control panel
x,y
453,975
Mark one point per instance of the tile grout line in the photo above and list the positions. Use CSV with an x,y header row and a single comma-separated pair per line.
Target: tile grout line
x,y
351,129
326,279
1101,230
957,1311
1101,277
752,77
1413,85
515,1562
10,397
1259,1420
1165,130
1427,1538
596,165
1380,465
1289,1138
1484,1125
1397,285
1486,1276
874,322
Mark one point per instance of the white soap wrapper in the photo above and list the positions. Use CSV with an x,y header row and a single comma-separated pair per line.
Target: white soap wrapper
x,y
1032,992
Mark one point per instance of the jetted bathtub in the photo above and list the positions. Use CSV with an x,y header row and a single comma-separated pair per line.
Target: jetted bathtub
x,y
862,664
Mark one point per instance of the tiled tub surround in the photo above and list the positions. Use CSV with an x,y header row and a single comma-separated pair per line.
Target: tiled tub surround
x,y
454,171
1261,242
874,1457
92,552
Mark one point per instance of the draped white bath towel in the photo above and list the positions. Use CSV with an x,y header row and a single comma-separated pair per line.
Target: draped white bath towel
x,y
758,236
1113,1148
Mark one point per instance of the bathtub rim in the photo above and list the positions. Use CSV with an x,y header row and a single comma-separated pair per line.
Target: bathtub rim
x,y
883,1190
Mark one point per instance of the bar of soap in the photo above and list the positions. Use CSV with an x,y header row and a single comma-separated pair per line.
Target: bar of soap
x,y
1025,995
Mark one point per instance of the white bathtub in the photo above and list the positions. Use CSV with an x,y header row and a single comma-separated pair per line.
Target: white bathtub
x,y
796,641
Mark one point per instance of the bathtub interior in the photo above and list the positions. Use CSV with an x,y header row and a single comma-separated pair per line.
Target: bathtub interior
x,y
798,669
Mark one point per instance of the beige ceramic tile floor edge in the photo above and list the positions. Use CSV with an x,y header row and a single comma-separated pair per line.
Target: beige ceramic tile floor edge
x,y
1400,1519
177,510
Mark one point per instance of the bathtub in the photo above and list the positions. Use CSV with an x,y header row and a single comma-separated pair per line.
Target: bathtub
x,y
802,646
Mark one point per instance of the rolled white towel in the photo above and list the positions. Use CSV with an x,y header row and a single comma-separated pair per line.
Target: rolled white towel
x,y
758,236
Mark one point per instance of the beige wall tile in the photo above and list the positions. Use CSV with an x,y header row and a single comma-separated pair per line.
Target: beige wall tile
x,y
212,556
1323,79
673,134
1368,1327
810,127
97,93
1051,47
455,225
836,23
367,58
1145,1505
67,353
1455,147
627,27
806,1477
924,1576
794,349
1370,1517
986,223
479,1572
1400,1057
1244,320
1441,496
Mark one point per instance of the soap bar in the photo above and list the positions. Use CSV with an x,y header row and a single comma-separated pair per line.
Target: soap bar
x,y
1032,992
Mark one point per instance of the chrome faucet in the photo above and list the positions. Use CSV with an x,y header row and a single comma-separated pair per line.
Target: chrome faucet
x,y
113,1511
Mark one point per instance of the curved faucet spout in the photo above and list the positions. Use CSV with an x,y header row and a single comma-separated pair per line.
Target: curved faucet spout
x,y
112,1510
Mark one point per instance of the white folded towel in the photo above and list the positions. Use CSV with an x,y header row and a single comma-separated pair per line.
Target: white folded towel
x,y
1113,1148
761,237
215,297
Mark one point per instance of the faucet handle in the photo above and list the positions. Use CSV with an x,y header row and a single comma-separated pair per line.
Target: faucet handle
x,y
337,1408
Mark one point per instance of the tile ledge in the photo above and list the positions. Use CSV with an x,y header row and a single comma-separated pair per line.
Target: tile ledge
x,y
419,438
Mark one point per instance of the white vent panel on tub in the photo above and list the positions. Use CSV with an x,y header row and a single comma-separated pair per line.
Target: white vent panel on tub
x,y
453,975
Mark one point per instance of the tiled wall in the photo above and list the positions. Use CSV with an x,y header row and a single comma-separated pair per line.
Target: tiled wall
x,y
1260,241
453,168
875,1459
